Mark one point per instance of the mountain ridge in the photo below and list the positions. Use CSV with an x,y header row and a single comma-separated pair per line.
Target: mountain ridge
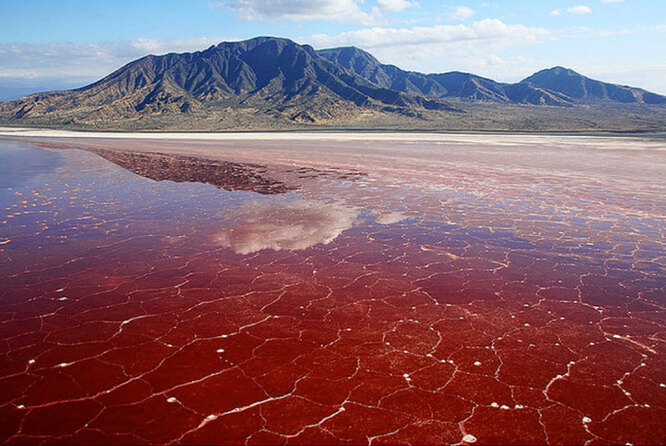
x,y
540,88
584,89
274,82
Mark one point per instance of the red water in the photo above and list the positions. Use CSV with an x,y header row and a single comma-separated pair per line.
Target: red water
x,y
139,312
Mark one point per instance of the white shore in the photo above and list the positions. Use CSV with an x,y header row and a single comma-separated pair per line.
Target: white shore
x,y
566,141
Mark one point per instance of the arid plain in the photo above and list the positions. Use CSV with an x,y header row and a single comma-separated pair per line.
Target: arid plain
x,y
332,288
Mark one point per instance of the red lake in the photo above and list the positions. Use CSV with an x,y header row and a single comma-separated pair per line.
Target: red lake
x,y
335,289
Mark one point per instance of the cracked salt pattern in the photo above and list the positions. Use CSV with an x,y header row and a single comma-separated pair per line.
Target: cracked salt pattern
x,y
484,304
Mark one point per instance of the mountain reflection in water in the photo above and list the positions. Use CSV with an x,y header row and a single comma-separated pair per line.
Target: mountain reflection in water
x,y
179,168
285,224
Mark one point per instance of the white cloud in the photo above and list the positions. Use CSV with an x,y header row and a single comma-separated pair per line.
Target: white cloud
x,y
394,5
461,13
351,11
579,9
555,12
491,31
474,47
331,10
83,60
284,224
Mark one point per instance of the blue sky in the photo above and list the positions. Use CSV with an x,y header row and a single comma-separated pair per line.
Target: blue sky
x,y
57,44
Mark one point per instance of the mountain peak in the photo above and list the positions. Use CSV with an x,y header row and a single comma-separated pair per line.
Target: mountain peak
x,y
274,76
556,71
256,41
352,58
348,52
582,89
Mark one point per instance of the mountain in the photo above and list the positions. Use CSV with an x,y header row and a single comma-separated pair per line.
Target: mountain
x,y
388,76
269,83
453,84
583,90
554,86
275,76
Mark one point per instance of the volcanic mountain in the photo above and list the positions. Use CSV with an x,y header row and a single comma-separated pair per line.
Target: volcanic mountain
x,y
269,82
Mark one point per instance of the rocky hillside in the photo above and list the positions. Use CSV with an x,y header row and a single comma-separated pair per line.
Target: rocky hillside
x,y
581,89
554,86
274,76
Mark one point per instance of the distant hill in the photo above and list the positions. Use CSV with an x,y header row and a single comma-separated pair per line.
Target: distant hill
x,y
269,82
581,89
554,86
453,84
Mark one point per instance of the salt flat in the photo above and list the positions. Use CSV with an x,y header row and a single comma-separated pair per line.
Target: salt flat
x,y
500,138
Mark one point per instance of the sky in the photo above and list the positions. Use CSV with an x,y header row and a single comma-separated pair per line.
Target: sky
x,y
48,44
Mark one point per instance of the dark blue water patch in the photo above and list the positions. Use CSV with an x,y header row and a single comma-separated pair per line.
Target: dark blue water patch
x,y
20,163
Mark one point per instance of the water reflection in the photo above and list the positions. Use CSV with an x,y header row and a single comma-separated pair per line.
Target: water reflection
x,y
20,163
390,218
179,168
285,224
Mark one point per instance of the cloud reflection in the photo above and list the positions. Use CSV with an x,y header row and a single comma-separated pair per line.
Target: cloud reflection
x,y
284,224
390,218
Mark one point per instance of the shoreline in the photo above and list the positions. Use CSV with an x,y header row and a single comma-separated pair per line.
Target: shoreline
x,y
419,158
322,134
636,133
